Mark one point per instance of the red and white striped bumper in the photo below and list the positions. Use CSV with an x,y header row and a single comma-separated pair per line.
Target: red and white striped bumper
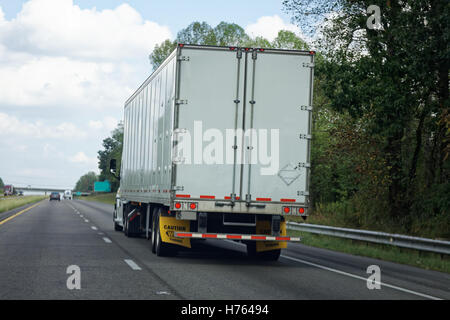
x,y
256,237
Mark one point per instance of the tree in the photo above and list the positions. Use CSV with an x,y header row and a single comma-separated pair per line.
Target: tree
x,y
395,77
224,34
229,34
289,40
161,52
112,149
86,182
1,183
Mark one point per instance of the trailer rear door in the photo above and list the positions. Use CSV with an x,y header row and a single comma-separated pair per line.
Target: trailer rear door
x,y
279,98
207,108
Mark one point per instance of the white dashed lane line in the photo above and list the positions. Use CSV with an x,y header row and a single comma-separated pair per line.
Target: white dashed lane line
x,y
94,228
132,264
107,240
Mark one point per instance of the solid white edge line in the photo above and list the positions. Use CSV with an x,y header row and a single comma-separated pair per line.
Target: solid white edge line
x,y
107,240
361,278
132,264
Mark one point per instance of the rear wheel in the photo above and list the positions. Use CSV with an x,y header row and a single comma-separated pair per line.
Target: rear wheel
x,y
162,249
153,235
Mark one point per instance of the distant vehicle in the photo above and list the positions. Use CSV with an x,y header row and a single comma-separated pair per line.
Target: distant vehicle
x,y
8,190
55,196
68,194
20,193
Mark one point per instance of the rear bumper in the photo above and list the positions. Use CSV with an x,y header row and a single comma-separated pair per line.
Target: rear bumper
x,y
250,237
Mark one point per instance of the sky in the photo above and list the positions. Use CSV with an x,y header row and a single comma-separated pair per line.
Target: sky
x,y
67,67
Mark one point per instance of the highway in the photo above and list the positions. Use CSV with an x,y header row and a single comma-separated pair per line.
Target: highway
x,y
39,244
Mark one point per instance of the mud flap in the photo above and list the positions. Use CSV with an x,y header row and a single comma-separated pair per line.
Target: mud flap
x,y
167,228
264,227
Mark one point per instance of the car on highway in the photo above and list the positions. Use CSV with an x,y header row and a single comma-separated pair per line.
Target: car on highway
x,y
67,194
20,193
55,196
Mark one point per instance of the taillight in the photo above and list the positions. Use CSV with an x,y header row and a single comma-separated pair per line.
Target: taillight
x,y
301,210
193,206
177,205
286,209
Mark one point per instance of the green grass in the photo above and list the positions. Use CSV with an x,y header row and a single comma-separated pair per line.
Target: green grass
x,y
109,198
424,260
9,203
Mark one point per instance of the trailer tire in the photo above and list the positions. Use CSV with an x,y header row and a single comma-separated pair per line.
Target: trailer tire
x,y
117,227
162,249
153,235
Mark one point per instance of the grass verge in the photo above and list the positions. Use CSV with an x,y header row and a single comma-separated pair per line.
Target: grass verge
x,y
8,203
424,260
109,198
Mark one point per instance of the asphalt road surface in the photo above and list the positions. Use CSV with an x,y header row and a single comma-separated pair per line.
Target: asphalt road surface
x,y
37,247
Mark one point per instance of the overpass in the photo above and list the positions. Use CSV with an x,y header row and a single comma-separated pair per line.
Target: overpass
x,y
47,189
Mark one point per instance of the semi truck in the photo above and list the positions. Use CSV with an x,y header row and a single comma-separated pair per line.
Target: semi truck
x,y
8,190
217,146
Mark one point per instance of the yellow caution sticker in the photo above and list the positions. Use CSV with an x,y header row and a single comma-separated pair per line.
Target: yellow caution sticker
x,y
169,225
264,227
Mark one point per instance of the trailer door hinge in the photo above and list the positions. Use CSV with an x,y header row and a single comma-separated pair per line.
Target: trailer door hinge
x,y
303,193
305,136
308,65
183,58
180,130
254,55
178,188
181,101
303,165
306,108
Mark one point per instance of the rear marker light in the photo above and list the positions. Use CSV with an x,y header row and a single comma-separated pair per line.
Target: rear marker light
x,y
193,206
301,210
177,205
286,209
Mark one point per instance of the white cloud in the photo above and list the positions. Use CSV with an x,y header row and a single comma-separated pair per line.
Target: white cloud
x,y
108,124
82,158
56,54
95,124
12,126
268,27
58,27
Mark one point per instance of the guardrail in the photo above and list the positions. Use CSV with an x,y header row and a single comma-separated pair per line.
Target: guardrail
x,y
422,244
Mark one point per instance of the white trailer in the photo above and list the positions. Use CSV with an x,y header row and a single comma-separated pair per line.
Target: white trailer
x,y
217,145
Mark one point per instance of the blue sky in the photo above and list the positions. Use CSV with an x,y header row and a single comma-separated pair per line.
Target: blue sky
x,y
67,67
177,14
